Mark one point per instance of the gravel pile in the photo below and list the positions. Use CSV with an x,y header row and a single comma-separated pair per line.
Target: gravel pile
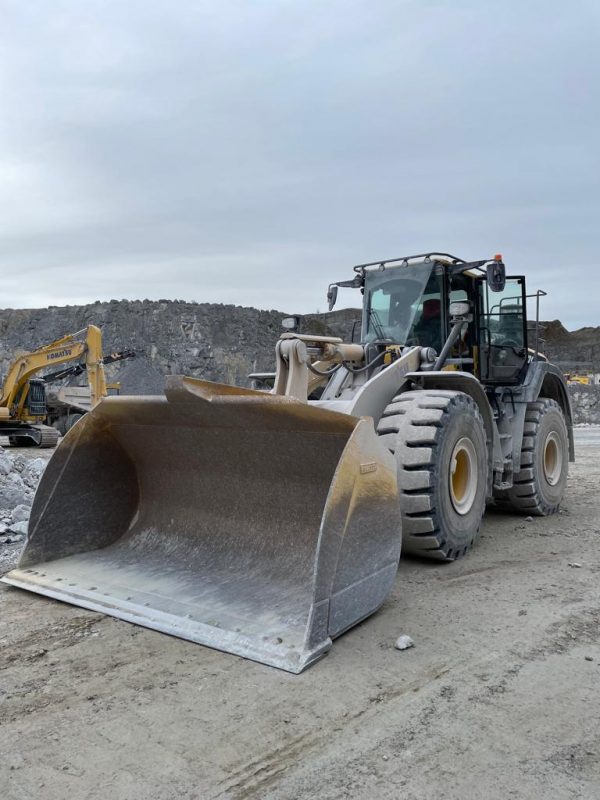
x,y
19,477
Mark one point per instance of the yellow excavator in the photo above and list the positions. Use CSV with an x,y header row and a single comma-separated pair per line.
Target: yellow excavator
x,y
575,379
23,404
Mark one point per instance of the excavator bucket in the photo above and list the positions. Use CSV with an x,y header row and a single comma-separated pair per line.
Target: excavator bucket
x,y
245,521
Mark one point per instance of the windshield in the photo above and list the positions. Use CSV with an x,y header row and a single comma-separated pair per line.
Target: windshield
x,y
393,298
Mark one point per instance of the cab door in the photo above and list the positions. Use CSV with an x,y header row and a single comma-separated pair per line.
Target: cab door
x,y
502,332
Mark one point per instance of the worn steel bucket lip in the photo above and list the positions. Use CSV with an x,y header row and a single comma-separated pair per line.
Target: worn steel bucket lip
x,y
266,653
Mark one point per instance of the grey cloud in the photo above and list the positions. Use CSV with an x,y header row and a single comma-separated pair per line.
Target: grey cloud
x,y
252,152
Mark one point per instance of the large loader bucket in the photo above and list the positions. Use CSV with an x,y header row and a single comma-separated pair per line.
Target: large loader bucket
x,y
244,521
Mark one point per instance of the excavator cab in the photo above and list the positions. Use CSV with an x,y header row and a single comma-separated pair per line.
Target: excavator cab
x,y
35,400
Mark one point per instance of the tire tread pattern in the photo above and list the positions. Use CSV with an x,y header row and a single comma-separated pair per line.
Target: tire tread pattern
x,y
524,495
411,427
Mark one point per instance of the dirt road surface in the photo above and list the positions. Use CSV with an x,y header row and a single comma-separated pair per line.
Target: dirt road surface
x,y
499,697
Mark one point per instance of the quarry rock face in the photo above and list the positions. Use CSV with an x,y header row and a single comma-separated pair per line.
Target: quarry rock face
x,y
577,350
225,343
205,340
585,402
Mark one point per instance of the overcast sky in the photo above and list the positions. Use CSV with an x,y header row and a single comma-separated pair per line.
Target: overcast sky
x,y
251,151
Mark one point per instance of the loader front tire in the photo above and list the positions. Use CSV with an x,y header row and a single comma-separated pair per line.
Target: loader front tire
x,y
540,484
439,442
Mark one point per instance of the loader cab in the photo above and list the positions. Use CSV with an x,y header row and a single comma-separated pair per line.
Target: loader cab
x,y
404,305
408,304
502,332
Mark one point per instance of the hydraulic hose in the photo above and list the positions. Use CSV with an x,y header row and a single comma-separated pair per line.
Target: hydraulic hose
x,y
347,365
367,366
324,374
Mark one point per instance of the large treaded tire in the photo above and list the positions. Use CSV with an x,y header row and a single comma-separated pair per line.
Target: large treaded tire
x,y
532,492
422,428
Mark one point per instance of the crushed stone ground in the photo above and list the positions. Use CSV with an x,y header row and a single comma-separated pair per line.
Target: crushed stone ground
x,y
497,699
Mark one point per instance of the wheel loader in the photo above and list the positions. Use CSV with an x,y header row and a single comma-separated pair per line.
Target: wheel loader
x,y
266,524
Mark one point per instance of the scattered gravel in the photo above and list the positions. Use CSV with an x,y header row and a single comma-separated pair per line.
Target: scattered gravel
x,y
20,473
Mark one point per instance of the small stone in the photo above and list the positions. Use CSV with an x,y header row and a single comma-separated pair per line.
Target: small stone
x,y
20,513
20,528
589,658
528,519
19,462
403,642
385,758
33,470
6,463
575,564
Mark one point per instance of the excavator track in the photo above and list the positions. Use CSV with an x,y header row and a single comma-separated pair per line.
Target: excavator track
x,y
42,436
48,436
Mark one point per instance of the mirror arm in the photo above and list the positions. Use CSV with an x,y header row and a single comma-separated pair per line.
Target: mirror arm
x,y
356,283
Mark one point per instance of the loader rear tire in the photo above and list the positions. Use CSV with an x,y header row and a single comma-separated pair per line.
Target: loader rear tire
x,y
540,484
439,442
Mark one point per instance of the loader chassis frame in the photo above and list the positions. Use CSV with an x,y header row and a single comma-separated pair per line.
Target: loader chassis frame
x,y
499,371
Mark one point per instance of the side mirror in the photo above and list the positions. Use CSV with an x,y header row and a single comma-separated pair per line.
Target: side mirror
x,y
496,274
332,294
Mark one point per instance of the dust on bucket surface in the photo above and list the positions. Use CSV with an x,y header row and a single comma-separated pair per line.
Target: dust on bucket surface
x,y
247,522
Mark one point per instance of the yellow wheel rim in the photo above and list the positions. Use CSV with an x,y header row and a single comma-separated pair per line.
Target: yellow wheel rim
x,y
553,459
463,476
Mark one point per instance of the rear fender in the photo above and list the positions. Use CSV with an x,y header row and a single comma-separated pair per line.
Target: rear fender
x,y
546,380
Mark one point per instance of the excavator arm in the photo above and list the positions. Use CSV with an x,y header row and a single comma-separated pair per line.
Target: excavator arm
x,y
77,369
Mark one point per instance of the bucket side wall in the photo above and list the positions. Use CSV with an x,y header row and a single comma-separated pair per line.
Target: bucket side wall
x,y
87,498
